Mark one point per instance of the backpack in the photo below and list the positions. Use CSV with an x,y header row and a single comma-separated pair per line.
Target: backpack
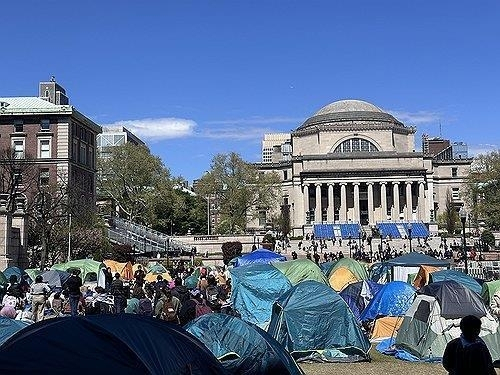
x,y
168,312
145,307
202,309
212,294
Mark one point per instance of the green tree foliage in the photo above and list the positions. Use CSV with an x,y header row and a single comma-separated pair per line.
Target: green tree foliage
x,y
488,238
240,191
449,218
231,250
483,189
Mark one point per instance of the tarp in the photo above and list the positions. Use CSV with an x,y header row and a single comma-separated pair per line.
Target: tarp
x,y
415,259
55,279
124,269
357,295
255,287
313,322
256,351
300,270
392,300
8,327
259,256
346,271
488,289
127,344
90,270
422,277
457,276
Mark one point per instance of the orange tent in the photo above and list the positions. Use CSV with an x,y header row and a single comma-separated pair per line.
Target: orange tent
x,y
342,277
422,277
386,326
124,269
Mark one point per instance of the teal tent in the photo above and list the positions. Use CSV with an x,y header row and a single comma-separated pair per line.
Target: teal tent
x,y
314,323
8,327
16,271
255,287
241,347
457,276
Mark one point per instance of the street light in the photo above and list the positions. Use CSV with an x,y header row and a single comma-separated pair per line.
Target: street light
x,y
208,215
463,218
410,227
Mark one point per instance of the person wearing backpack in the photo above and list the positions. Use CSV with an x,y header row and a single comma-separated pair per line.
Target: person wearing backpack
x,y
180,291
168,307
193,307
212,294
145,306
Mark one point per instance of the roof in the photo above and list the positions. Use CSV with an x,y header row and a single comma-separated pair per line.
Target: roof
x,y
23,104
416,260
348,106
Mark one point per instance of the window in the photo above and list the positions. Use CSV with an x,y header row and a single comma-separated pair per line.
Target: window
x,y
91,157
74,150
45,125
18,177
44,176
18,148
83,154
18,127
356,145
454,172
285,175
455,193
44,148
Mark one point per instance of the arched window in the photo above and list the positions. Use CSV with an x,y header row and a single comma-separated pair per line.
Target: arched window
x,y
356,145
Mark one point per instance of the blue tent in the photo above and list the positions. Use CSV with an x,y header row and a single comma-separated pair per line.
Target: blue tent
x,y
242,348
394,299
259,256
357,295
127,344
8,272
254,289
314,323
457,276
55,279
8,327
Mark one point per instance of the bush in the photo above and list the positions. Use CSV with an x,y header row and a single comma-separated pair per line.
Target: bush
x,y
231,250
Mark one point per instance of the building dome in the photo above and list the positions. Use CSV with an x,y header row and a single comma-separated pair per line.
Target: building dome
x,y
348,106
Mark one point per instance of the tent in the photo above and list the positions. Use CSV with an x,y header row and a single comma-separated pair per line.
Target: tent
x,y
156,269
392,300
346,271
357,295
3,279
259,256
457,276
33,273
300,270
191,282
128,344
8,327
255,287
124,269
314,323
55,279
423,275
9,271
380,273
385,326
241,347
410,263
91,270
434,319
488,289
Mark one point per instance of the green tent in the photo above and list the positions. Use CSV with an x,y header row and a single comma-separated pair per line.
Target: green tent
x,y
90,270
300,270
346,271
488,289
314,323
33,273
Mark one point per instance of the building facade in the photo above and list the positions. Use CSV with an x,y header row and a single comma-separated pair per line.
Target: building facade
x,y
352,162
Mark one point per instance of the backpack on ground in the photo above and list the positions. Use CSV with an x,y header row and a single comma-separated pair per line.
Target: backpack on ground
x,y
168,312
202,309
145,307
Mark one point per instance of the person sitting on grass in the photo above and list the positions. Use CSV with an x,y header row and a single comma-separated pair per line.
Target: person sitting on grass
x,y
468,354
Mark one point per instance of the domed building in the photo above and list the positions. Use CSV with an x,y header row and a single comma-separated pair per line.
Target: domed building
x,y
351,162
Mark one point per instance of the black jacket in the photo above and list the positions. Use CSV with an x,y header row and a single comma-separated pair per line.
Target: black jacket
x,y
73,285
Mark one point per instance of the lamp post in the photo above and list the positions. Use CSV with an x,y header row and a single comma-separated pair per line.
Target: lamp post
x,y
350,247
359,238
463,218
410,227
208,215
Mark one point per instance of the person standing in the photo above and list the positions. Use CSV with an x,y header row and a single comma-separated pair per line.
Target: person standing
x,y
118,294
108,279
73,286
495,304
139,275
39,293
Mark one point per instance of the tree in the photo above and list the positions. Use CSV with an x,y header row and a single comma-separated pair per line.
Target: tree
x,y
240,191
449,218
483,189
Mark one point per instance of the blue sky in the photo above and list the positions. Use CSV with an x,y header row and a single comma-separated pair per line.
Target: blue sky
x,y
197,78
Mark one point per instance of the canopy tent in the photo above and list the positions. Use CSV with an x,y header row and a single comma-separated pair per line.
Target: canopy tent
x,y
16,271
346,271
403,265
392,300
423,276
55,279
255,287
434,319
314,323
9,327
300,270
241,347
488,289
357,295
259,256
124,269
457,276
90,270
107,342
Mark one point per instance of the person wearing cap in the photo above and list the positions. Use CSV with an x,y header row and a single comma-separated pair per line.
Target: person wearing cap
x,y
118,294
39,292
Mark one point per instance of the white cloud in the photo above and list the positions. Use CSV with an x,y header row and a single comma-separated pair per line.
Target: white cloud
x,y
158,128
417,118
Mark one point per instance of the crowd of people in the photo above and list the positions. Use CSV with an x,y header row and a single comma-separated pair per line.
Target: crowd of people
x,y
169,300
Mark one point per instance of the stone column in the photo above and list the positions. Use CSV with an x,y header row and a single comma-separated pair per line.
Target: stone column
x,y
356,202
343,202
371,221
306,201
331,207
421,200
395,193
383,200
409,201
317,210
